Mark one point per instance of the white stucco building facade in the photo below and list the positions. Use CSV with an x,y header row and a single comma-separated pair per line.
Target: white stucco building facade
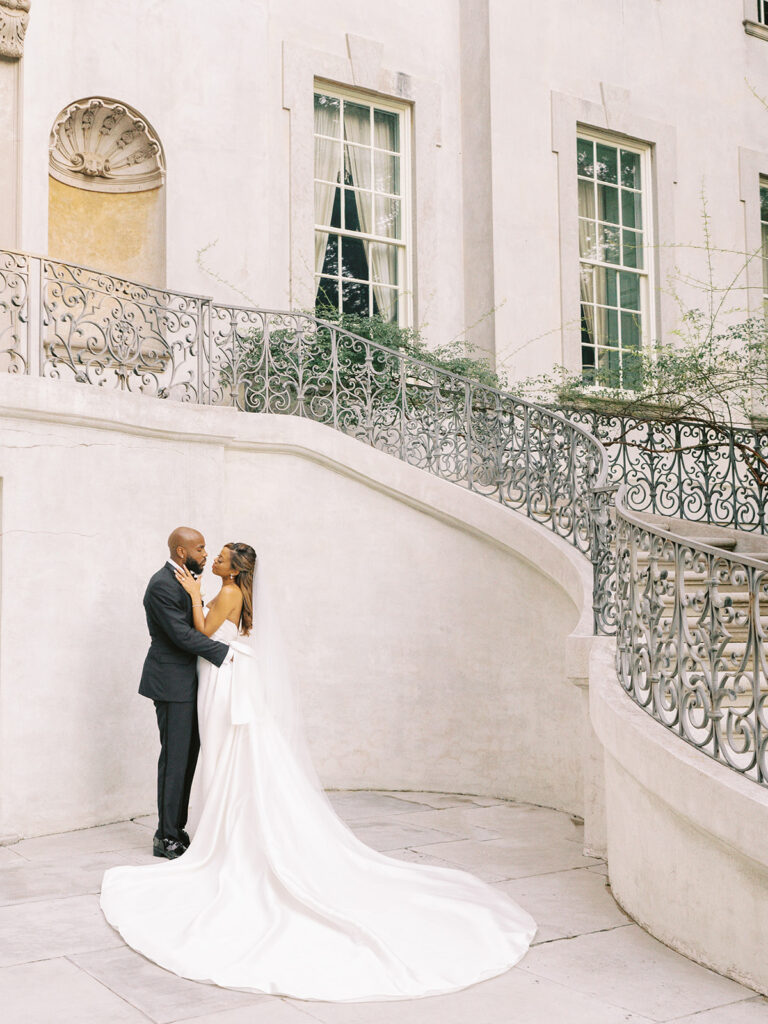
x,y
539,179
469,214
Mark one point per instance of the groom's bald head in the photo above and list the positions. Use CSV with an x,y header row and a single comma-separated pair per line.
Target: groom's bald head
x,y
187,547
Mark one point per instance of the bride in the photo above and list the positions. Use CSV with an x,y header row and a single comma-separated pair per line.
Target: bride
x,y
275,893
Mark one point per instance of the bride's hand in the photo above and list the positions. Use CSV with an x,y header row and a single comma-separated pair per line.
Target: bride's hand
x,y
188,581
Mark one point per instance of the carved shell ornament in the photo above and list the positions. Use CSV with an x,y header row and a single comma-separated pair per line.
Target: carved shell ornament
x,y
105,146
14,17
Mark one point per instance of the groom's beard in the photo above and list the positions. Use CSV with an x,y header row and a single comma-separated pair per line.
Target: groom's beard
x,y
194,566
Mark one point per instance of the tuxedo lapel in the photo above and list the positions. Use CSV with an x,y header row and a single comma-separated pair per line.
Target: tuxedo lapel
x,y
185,599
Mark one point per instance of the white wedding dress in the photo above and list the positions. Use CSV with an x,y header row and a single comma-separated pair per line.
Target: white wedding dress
x,y
275,894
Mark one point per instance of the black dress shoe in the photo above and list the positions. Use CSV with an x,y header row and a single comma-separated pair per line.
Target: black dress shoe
x,y
169,848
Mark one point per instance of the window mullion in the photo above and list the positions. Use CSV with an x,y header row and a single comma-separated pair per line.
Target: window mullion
x,y
365,251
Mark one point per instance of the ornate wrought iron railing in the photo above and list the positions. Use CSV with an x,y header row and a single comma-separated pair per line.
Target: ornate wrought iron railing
x,y
69,322
689,617
687,470
691,639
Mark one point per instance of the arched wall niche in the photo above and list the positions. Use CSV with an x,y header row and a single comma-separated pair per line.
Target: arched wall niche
x,y
106,194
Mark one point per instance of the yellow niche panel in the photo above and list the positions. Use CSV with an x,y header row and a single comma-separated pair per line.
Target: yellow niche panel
x,y
123,233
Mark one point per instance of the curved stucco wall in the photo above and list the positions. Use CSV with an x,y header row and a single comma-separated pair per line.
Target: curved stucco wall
x,y
427,624
686,837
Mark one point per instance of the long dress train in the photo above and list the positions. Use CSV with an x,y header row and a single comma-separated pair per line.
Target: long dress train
x,y
275,894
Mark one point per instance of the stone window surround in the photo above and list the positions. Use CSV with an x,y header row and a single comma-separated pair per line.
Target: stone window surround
x,y
645,272
362,71
753,169
752,26
613,116
402,243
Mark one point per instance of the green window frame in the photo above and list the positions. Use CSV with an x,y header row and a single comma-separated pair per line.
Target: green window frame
x,y
614,257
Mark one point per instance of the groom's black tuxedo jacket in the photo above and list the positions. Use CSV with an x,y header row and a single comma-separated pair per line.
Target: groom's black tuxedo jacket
x,y
170,668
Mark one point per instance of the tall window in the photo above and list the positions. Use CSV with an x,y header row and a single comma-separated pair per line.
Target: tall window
x,y
361,177
764,230
614,272
762,11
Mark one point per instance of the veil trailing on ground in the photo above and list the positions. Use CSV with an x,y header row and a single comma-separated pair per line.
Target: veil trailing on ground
x,y
276,894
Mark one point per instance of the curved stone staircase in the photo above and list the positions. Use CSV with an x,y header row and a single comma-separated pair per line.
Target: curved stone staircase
x,y
689,638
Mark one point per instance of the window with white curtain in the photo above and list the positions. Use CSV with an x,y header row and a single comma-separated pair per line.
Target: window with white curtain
x,y
762,11
361,216
615,258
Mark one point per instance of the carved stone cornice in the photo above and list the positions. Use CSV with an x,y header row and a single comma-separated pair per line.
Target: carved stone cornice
x,y
14,17
102,145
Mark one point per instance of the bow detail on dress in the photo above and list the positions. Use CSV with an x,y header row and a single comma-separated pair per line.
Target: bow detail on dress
x,y
244,695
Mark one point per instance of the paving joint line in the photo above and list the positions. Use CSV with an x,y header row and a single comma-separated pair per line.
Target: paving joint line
x,y
103,984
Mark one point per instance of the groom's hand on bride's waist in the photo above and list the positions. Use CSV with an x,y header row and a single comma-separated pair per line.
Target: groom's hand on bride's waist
x,y
240,648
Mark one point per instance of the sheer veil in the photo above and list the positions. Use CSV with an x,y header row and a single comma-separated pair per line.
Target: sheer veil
x,y
276,894
272,674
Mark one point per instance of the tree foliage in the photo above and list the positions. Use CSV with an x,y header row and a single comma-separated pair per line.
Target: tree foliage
x,y
459,356
713,379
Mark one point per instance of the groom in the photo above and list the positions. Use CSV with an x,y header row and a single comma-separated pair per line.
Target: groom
x,y
169,678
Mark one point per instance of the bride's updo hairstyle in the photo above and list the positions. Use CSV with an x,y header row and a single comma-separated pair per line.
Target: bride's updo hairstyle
x,y
242,559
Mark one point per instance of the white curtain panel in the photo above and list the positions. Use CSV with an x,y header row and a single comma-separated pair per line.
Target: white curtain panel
x,y
382,258
327,166
587,309
587,244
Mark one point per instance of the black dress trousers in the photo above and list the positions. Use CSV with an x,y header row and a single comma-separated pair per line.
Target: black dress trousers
x,y
179,747
169,678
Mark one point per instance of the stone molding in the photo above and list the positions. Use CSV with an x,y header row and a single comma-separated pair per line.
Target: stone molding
x,y
359,493
616,114
360,68
14,18
102,145
661,795
754,28
753,167
53,401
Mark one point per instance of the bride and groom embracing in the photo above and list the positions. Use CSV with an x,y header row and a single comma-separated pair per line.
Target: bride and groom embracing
x,y
275,893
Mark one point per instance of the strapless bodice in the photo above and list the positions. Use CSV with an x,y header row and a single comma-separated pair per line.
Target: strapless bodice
x,y
226,633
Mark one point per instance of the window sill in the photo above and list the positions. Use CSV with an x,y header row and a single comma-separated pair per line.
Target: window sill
x,y
754,28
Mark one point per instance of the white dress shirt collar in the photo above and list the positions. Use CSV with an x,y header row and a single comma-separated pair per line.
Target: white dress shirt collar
x,y
176,567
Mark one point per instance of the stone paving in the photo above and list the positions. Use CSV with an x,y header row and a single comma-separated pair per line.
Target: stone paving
x,y
60,963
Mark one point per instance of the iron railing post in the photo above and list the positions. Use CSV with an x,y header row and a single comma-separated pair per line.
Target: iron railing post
x,y
35,316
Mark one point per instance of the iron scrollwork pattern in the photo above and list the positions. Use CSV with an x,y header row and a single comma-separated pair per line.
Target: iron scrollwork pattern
x,y
690,619
100,329
691,640
14,313
527,458
687,470
603,552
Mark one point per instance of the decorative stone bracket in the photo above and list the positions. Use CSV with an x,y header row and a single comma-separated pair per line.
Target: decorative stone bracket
x,y
14,17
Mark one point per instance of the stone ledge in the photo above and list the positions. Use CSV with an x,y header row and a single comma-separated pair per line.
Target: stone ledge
x,y
80,405
755,28
685,837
